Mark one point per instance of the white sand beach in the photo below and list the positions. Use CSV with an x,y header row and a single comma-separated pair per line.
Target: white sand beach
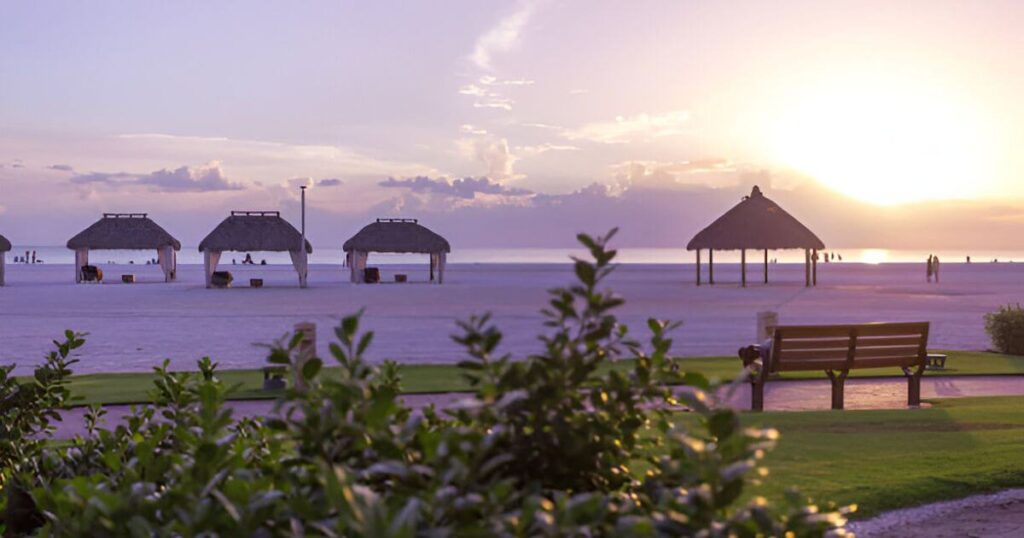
x,y
134,327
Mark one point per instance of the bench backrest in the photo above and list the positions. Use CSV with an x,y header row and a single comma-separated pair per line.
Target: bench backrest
x,y
848,347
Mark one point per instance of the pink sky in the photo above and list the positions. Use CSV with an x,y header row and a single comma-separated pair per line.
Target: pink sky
x,y
517,123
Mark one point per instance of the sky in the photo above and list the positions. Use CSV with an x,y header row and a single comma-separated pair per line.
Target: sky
x,y
517,123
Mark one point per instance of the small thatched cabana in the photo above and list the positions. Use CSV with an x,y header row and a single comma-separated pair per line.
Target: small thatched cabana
x,y
126,231
397,236
255,231
757,223
5,247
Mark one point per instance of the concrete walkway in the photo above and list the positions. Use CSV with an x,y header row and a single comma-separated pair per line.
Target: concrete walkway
x,y
797,395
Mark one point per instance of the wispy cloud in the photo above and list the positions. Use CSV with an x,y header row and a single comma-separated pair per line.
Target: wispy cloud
x,y
492,152
466,188
61,167
503,37
635,128
206,178
329,182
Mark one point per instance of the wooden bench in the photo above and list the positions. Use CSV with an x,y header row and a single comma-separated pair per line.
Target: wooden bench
x,y
837,349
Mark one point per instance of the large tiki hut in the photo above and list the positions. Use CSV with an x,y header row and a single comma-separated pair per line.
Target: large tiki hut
x,y
396,236
255,231
5,247
757,223
126,231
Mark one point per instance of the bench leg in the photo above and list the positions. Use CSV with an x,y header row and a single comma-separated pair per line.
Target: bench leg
x,y
838,384
914,386
756,395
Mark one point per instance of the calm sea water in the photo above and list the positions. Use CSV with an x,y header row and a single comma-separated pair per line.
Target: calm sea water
x,y
190,255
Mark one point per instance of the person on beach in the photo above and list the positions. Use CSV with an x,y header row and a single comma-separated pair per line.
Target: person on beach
x,y
935,268
931,268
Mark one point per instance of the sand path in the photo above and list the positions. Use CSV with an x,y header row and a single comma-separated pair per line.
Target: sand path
x,y
997,515
797,395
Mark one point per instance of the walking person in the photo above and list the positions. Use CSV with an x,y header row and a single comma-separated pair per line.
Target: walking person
x,y
931,268
935,268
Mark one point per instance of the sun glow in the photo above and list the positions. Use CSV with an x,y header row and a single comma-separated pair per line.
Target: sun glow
x,y
885,142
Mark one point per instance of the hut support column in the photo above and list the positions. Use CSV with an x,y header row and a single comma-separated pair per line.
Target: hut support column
x,y
168,263
698,267
357,265
301,267
210,260
442,260
711,267
81,258
807,268
814,268
765,266
743,267
3,266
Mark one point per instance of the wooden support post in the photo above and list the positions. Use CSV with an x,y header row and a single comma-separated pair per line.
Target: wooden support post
x,y
814,268
698,267
711,267
807,267
765,266
756,395
743,267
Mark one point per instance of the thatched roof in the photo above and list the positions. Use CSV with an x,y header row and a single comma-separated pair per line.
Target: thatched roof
x,y
5,245
254,231
755,223
124,231
397,235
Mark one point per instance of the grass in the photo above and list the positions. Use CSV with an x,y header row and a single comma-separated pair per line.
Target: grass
x,y
119,388
889,459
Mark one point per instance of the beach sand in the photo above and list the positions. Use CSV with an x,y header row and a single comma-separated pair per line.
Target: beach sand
x,y
134,327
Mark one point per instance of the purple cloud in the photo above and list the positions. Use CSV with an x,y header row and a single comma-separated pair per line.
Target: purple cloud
x,y
209,178
466,188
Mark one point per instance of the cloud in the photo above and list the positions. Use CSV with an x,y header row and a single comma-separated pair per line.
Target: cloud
x,y
539,149
493,153
709,172
465,188
329,182
631,128
61,167
503,37
491,80
472,129
206,178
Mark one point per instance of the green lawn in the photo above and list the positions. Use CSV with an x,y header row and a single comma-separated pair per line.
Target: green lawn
x,y
888,459
134,387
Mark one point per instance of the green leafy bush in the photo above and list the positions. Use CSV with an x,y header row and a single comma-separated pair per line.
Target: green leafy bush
x,y
1006,328
548,445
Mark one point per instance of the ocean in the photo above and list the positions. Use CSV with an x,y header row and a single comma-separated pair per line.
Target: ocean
x,y
191,255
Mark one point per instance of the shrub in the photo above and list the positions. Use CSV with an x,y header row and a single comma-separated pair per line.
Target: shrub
x,y
549,445
1006,328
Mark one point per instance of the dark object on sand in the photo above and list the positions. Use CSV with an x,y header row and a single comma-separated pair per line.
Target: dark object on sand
x,y
255,282
273,377
837,349
221,279
371,275
91,273
128,279
401,278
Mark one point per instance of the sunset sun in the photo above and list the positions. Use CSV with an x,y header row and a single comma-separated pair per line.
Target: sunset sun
x,y
886,143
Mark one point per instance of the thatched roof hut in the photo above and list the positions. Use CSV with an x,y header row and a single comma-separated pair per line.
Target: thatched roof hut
x,y
396,236
254,231
126,231
756,223
5,246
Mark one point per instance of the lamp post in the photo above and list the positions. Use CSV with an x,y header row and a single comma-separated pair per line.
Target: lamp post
x,y
302,246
